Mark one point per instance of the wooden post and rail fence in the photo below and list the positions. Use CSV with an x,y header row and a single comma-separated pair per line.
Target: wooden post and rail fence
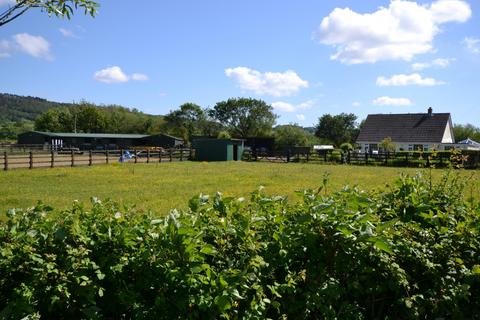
x,y
36,158
72,158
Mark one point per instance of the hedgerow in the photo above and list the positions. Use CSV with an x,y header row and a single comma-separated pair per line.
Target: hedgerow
x,y
409,252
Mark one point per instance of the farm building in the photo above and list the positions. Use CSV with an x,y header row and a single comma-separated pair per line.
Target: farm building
x,y
409,132
260,144
208,149
91,141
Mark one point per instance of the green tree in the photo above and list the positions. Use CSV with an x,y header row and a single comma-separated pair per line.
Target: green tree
x,y
462,132
337,129
89,118
345,147
245,117
387,145
186,121
50,121
59,8
292,135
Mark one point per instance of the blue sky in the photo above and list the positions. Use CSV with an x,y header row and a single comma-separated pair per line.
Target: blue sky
x,y
306,58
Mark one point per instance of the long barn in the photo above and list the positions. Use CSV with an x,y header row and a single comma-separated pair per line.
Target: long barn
x,y
92,141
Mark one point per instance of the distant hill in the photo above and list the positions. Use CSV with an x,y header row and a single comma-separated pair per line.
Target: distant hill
x,y
17,108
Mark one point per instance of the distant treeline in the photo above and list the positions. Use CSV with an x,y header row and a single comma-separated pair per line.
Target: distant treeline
x,y
235,117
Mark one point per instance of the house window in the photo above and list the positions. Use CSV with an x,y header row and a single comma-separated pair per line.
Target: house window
x,y
373,146
410,147
426,147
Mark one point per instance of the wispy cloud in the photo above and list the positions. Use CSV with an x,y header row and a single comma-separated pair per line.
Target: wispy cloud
x,y
288,107
400,80
276,84
388,101
440,63
300,117
116,75
35,46
472,44
67,33
400,31
139,77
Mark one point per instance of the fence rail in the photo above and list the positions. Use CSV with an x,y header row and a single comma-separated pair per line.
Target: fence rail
x,y
466,158
51,159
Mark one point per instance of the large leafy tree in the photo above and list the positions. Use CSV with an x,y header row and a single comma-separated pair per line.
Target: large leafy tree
x,y
245,117
187,120
59,8
337,129
463,132
293,135
89,118
55,120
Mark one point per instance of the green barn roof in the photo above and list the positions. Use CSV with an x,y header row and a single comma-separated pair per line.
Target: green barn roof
x,y
91,135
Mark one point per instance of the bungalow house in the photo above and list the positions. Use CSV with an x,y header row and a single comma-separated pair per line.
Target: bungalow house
x,y
409,132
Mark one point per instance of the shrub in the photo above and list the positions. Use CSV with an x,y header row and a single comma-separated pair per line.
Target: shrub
x,y
410,252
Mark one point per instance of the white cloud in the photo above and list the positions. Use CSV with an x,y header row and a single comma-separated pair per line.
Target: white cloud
x,y
111,75
67,33
397,32
441,63
288,107
387,101
116,75
139,77
399,80
269,83
356,104
36,46
473,44
300,117
450,10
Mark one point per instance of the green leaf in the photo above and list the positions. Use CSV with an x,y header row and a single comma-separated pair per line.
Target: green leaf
x,y
383,246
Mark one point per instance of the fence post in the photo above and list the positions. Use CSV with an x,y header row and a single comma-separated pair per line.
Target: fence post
x,y
90,157
308,156
52,159
5,161
190,154
135,155
106,156
72,154
31,159
181,154
348,156
288,155
160,155
366,158
148,155
406,159
325,156
171,151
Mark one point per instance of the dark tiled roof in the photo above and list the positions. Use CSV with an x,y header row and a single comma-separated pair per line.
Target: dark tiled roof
x,y
410,127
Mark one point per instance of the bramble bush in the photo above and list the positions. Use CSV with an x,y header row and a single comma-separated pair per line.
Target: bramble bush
x,y
409,252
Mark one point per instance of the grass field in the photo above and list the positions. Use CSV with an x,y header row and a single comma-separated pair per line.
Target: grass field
x,y
160,187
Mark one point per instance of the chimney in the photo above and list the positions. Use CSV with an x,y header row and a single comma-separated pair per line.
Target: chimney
x,y
430,111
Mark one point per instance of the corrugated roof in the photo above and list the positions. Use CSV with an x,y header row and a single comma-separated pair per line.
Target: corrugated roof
x,y
92,135
410,127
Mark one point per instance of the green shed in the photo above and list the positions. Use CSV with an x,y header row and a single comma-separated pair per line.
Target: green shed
x,y
208,149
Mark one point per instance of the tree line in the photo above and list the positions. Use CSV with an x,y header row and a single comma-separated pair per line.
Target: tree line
x,y
235,117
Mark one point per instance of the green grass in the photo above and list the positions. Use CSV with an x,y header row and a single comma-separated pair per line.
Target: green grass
x,y
160,187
